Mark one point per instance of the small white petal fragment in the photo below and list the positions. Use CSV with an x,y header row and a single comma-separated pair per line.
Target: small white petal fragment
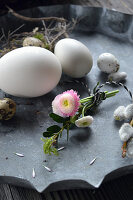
x,y
33,173
117,76
91,163
129,152
19,154
129,111
84,121
119,113
125,132
47,168
61,148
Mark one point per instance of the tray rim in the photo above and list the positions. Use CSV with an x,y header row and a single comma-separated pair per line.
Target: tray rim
x,y
26,183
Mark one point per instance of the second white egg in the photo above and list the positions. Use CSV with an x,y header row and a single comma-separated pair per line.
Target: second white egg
x,y
74,56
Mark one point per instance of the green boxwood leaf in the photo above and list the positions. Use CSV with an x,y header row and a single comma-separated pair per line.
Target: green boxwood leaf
x,y
47,134
57,118
54,129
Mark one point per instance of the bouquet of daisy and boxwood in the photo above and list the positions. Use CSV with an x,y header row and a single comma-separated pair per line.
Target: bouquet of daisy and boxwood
x,y
68,110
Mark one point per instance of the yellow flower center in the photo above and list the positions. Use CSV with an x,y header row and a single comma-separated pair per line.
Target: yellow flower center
x,y
85,123
117,118
65,103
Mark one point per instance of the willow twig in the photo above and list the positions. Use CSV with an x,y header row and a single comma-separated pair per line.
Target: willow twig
x,y
3,34
12,33
57,36
46,32
124,149
34,19
50,34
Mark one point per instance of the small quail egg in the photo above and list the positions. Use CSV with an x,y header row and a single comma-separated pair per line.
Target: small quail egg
x,y
31,41
7,109
117,76
108,63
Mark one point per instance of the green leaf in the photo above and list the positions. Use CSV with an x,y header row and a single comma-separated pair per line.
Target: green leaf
x,y
48,146
57,118
54,129
39,36
47,134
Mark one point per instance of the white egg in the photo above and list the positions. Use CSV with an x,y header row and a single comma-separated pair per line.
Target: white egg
x,y
29,72
108,63
75,57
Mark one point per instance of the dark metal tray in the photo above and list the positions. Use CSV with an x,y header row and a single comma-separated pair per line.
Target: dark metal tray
x,y
102,31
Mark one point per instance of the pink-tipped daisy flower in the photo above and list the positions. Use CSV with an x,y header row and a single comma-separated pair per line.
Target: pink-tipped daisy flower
x,y
66,104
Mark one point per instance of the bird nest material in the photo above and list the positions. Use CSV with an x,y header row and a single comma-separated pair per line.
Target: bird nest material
x,y
52,30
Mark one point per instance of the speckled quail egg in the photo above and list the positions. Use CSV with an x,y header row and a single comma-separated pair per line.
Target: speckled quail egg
x,y
117,76
29,72
7,108
108,63
74,56
31,41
